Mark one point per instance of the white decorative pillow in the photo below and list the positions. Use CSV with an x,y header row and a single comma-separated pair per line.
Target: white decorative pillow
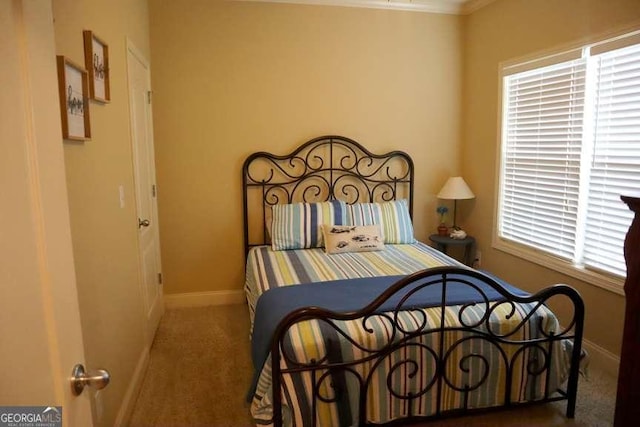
x,y
352,238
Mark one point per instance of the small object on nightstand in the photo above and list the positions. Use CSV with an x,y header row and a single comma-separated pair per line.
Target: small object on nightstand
x,y
443,242
458,234
443,230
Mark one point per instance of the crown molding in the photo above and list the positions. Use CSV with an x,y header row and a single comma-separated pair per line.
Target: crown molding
x,y
450,7
471,6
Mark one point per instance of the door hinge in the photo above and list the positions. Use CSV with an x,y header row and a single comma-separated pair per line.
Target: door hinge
x,y
149,96
153,190
159,278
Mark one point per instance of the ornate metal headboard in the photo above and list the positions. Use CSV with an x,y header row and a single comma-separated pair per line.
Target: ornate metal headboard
x,y
324,168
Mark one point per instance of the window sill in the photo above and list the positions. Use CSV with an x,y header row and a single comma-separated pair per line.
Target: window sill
x,y
604,281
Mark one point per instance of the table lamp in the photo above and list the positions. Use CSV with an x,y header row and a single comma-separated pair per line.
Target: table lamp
x,y
455,189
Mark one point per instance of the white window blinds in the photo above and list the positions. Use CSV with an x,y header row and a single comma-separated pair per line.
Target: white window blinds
x,y
570,147
615,166
543,123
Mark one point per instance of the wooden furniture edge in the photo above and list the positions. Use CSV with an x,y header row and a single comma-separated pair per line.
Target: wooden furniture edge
x,y
627,410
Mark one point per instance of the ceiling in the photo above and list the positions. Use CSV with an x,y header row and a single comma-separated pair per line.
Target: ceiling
x,y
452,7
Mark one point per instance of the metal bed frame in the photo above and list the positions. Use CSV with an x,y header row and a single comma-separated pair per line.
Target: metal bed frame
x,y
322,169
332,167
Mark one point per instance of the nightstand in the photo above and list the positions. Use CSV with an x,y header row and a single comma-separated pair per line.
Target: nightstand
x,y
443,242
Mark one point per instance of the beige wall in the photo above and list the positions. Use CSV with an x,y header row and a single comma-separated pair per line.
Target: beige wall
x,y
504,30
231,78
104,235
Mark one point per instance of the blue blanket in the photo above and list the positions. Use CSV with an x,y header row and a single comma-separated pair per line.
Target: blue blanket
x,y
350,295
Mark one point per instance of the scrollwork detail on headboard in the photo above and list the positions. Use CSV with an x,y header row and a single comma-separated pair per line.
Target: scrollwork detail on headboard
x,y
324,168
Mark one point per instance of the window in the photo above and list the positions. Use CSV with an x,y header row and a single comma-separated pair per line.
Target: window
x,y
570,148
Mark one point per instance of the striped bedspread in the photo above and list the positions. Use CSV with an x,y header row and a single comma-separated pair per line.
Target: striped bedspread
x,y
502,370
267,269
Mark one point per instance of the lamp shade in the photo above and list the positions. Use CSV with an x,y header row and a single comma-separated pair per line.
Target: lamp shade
x,y
456,189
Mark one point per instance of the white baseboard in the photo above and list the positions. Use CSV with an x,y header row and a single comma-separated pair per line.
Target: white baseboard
x,y
201,299
601,358
130,396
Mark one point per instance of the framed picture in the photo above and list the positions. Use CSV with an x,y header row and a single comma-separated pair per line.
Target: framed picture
x,y
73,83
96,61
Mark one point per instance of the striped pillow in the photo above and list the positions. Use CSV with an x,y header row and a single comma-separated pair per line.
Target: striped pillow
x,y
392,216
298,225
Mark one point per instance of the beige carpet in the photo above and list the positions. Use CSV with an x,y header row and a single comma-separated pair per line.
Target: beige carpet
x,y
200,368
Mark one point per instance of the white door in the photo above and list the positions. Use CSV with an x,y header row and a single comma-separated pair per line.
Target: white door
x,y
40,326
145,183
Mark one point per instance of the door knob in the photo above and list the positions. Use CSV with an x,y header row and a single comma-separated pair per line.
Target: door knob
x,y
143,223
97,379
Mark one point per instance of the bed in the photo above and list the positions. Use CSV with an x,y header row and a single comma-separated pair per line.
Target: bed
x,y
354,322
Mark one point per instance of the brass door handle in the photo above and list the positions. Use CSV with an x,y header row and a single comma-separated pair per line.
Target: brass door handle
x,y
143,223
